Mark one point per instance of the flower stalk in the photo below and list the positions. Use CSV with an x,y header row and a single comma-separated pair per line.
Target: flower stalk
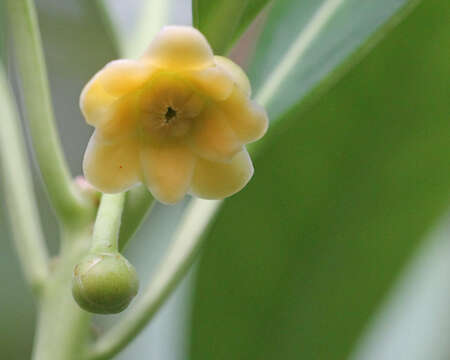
x,y
107,223
181,255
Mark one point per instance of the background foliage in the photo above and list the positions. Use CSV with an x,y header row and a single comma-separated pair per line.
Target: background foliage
x,y
225,21
339,203
298,264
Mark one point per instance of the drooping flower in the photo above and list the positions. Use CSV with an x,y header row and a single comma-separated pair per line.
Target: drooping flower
x,y
176,120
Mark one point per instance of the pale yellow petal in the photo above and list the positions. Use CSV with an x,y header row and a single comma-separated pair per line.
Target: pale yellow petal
x,y
213,82
248,119
167,171
215,180
112,166
119,77
115,80
193,106
94,101
179,48
238,75
121,118
212,136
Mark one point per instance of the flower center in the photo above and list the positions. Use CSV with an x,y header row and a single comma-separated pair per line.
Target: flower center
x,y
168,108
170,114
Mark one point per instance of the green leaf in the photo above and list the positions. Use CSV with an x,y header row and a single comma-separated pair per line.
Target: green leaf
x,y
304,41
223,21
413,322
298,262
2,33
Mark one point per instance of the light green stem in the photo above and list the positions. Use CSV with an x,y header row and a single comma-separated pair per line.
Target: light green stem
x,y
18,192
23,25
107,224
181,255
63,327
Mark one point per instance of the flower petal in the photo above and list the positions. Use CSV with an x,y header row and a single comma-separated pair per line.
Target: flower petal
x,y
94,101
213,82
120,119
167,171
212,137
116,79
193,106
236,73
248,119
179,47
111,166
119,77
215,180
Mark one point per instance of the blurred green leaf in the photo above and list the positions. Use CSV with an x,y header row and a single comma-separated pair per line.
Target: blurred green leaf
x,y
2,32
223,21
304,41
413,322
298,262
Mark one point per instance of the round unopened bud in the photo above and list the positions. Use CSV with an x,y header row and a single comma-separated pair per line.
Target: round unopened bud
x,y
104,283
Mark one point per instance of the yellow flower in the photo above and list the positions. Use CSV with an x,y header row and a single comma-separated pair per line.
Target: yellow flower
x,y
176,120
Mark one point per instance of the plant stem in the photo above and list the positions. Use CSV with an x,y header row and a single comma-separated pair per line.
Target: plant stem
x,y
64,198
107,223
177,262
18,191
63,327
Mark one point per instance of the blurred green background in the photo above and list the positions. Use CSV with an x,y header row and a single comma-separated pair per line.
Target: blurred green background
x,y
299,264
296,265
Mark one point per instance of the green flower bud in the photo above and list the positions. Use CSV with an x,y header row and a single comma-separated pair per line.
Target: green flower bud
x,y
104,283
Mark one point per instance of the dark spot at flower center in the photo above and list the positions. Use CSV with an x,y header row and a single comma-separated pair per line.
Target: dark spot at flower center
x,y
170,114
